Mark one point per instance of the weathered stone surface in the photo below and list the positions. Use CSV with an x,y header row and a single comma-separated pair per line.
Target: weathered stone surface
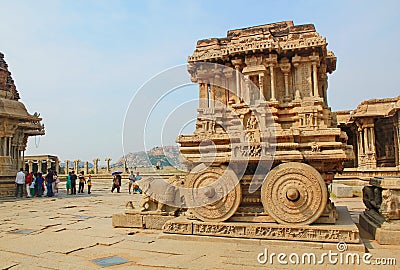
x,y
386,182
127,220
344,231
342,191
155,221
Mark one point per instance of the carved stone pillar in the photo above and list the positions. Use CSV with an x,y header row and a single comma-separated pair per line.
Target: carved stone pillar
x,y
369,142
296,64
237,63
366,145
398,139
39,165
48,164
8,149
315,79
285,67
315,64
30,166
86,167
66,166
126,166
203,95
272,72
108,164
228,84
96,165
57,165
372,138
76,165
4,148
360,144
261,85
246,90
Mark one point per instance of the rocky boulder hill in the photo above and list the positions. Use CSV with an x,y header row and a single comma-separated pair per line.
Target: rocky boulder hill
x,y
163,156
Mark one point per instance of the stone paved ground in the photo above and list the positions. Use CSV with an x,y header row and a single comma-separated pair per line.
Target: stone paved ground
x,y
68,232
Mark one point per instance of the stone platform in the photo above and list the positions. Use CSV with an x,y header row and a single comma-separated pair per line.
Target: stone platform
x,y
343,231
385,233
77,232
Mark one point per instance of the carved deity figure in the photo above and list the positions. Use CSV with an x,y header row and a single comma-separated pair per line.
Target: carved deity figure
x,y
251,122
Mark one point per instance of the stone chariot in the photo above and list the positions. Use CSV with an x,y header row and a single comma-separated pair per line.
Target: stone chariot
x,y
266,144
263,121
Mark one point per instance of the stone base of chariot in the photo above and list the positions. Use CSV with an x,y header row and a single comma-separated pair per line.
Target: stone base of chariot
x,y
142,220
343,231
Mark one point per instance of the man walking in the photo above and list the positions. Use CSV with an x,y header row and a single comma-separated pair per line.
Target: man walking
x,y
19,183
49,183
132,180
73,182
82,182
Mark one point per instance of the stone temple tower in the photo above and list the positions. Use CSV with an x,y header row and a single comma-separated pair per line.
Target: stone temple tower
x,y
16,125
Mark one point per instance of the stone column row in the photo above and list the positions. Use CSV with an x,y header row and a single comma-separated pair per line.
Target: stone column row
x,y
86,165
40,165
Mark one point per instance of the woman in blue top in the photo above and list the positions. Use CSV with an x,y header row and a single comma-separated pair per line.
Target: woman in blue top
x,y
39,184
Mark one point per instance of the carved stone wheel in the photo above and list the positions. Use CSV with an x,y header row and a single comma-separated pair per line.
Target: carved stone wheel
x,y
294,193
216,192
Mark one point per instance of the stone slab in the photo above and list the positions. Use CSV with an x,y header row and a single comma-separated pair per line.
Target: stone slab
x,y
386,182
127,220
155,221
387,237
342,191
343,231
139,220
367,224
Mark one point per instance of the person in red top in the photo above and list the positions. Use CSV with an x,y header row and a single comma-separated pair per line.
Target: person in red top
x,y
28,182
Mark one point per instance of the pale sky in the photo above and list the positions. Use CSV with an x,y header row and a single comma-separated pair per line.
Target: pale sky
x,y
79,63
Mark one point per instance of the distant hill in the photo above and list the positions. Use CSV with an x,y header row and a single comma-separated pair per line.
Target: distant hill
x,y
163,156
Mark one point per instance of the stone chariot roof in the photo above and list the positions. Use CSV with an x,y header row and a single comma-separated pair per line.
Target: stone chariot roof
x,y
280,37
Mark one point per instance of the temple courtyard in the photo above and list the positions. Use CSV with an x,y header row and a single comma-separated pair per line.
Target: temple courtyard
x,y
76,232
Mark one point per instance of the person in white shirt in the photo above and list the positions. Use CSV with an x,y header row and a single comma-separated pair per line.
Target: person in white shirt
x,y
19,183
132,180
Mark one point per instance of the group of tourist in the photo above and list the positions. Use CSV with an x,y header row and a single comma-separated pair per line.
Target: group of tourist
x,y
71,182
35,184
117,181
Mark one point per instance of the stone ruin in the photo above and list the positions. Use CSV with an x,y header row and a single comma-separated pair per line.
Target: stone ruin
x,y
16,126
266,143
373,129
